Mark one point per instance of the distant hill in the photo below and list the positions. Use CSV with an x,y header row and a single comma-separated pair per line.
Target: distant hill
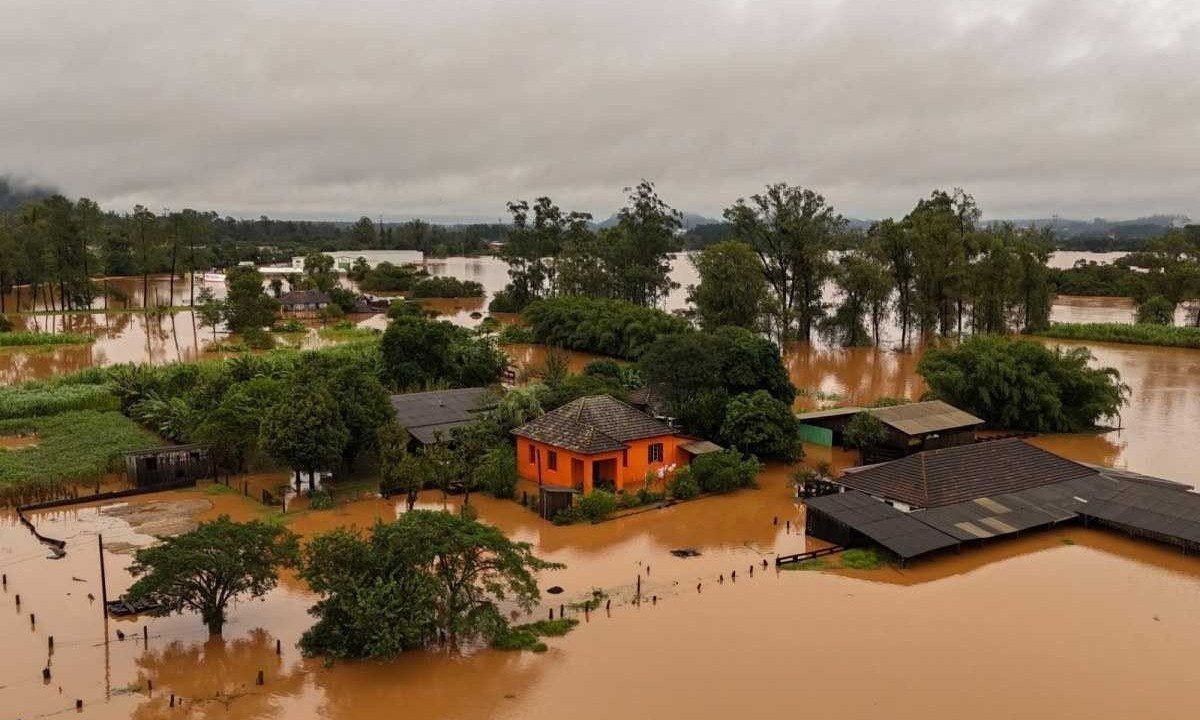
x,y
14,193
690,221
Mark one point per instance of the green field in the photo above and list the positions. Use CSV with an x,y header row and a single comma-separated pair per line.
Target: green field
x,y
33,339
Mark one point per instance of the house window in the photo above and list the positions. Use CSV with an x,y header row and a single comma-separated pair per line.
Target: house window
x,y
552,460
532,454
656,452
624,458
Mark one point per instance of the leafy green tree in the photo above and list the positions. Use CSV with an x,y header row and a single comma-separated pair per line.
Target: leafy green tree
x,y
1156,311
864,431
247,306
517,407
533,245
610,327
305,429
894,245
146,237
758,424
1023,385
792,230
232,429
731,288
426,576
205,569
392,440
210,312
733,360
417,352
363,235
318,271
637,248
496,472
865,287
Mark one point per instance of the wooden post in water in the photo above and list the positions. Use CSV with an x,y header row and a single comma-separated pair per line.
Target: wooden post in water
x,y
103,577
259,679
146,635
278,647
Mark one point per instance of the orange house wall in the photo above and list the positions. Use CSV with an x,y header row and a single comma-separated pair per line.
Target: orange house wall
x,y
629,474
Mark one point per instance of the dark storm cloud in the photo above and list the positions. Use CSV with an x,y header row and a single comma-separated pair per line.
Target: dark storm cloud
x,y
451,108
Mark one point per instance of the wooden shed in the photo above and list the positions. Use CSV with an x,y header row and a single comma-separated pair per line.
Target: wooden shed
x,y
177,464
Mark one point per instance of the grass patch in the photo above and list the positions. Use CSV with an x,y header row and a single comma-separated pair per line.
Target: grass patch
x,y
810,564
527,637
1161,335
863,559
72,447
38,398
34,339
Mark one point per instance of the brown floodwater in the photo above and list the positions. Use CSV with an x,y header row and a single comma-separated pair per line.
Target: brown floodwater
x,y
1042,614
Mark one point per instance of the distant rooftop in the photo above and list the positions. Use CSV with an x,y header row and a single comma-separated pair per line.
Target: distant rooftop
x,y
427,414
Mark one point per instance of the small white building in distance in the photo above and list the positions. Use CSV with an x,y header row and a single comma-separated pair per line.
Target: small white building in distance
x,y
344,259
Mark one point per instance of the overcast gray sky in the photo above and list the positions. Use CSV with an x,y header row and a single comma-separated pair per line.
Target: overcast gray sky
x,y
449,109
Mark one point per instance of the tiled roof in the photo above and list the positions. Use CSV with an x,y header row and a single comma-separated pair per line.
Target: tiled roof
x,y
590,425
941,477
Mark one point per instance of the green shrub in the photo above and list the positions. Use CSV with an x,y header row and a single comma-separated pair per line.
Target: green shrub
x,y
515,334
863,559
568,516
444,286
724,471
864,431
320,499
6,325
683,486
504,301
1156,311
496,474
258,339
608,327
24,339
292,325
597,505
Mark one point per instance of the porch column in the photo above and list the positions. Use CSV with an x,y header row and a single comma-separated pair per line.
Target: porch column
x,y
587,476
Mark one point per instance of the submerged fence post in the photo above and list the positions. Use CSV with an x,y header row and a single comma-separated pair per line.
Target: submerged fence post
x,y
103,577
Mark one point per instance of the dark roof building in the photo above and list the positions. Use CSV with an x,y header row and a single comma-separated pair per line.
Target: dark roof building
x,y
591,425
993,489
430,415
298,300
942,477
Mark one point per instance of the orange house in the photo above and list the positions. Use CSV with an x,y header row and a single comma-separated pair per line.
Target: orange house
x,y
598,441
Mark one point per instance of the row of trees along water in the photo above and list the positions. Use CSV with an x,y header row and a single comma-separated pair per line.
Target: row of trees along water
x,y
58,246
938,269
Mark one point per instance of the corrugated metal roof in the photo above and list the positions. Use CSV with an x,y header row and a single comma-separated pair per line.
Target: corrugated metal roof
x,y
925,417
700,447
897,531
828,413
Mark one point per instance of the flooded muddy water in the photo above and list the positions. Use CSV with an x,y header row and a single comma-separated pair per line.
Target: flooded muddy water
x,y
1041,613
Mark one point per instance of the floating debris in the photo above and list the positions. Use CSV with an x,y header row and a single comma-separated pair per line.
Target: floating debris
x,y
685,552
556,590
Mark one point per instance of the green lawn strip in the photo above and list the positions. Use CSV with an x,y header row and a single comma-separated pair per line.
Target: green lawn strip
x,y
37,339
1160,335
71,447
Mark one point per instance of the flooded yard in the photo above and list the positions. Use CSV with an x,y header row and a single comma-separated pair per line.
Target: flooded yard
x,y
708,646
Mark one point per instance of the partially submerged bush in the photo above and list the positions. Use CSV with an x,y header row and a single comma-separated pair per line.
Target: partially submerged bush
x,y
724,471
683,486
598,505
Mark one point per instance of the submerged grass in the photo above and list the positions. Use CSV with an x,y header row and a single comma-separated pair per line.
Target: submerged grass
x,y
34,339
1160,335
72,447
527,637
852,559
